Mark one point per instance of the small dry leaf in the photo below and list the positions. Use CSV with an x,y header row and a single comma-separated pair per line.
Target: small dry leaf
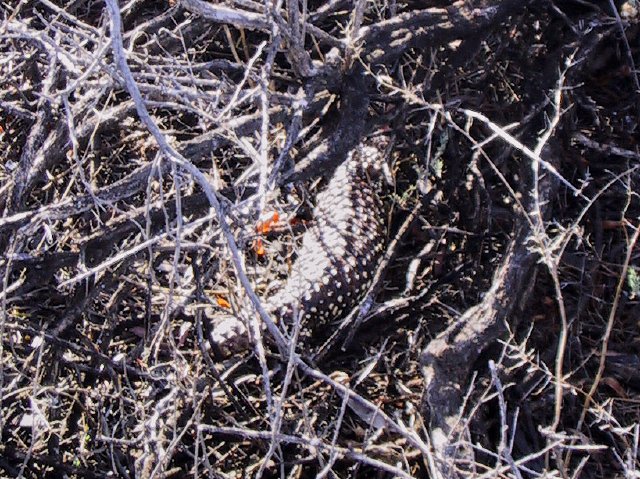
x,y
265,226
223,303
258,247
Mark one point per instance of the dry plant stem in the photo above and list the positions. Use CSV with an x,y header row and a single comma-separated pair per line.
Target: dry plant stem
x,y
175,157
135,181
499,132
278,413
388,40
562,344
447,358
164,325
263,166
58,467
333,452
76,148
111,366
221,14
39,136
353,30
199,177
610,322
3,321
366,405
293,31
294,23
52,149
130,252
233,101
307,442
256,21
90,30
544,242
504,449
40,424
628,51
292,135
175,441
607,149
344,136
533,155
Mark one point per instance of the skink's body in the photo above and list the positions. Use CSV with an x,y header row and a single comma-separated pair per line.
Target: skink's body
x,y
339,252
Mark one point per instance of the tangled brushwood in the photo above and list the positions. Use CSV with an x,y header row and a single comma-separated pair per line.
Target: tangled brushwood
x,y
420,217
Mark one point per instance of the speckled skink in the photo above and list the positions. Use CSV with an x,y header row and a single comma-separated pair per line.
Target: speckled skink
x,y
339,252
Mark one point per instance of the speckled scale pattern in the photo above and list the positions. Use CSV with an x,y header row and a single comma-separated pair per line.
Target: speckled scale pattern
x,y
340,251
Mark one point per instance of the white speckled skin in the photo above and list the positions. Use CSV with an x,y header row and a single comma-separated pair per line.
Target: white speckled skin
x,y
341,249
339,252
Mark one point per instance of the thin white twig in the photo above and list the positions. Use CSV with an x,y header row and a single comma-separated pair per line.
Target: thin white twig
x,y
506,136
221,14
199,177
308,442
